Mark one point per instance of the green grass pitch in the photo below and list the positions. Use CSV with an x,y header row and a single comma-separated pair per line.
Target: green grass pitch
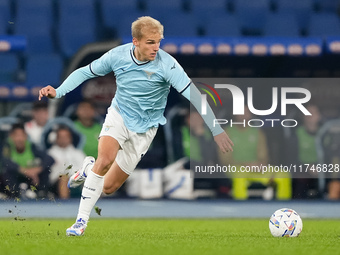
x,y
165,236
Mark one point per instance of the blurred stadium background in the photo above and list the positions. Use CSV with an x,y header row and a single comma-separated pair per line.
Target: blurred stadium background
x,y
223,38
42,41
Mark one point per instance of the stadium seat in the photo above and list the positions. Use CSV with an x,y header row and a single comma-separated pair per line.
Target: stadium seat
x,y
203,12
38,31
76,8
112,11
252,15
41,43
182,25
328,5
324,25
9,67
227,25
123,26
34,19
156,5
291,5
3,25
44,69
5,16
199,6
77,25
34,7
77,13
73,37
281,25
302,9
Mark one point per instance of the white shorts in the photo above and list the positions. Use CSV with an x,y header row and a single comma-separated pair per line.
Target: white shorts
x,y
133,145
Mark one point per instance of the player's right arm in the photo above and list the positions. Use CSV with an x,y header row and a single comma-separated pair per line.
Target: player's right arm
x,y
47,91
76,78
99,67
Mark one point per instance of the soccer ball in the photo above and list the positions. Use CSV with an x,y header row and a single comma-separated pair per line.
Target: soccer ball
x,y
285,223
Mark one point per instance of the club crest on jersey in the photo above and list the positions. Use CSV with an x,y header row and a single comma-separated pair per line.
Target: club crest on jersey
x,y
107,128
148,74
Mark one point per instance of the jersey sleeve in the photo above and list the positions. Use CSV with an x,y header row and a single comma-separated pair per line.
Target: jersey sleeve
x,y
176,76
105,64
76,78
98,67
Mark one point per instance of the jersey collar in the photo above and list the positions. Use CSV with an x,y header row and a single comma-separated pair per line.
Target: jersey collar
x,y
137,62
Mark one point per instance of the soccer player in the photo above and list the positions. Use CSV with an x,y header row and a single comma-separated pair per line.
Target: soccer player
x,y
144,74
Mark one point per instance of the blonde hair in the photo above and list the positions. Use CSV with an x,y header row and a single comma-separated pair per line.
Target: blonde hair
x,y
144,25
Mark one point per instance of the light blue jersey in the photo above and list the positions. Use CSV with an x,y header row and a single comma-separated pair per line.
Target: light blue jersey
x,y
142,87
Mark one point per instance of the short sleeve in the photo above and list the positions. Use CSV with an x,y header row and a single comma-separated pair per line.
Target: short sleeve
x,y
104,64
176,76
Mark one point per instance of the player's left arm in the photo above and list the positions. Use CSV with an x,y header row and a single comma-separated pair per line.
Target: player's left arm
x,y
177,77
220,136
